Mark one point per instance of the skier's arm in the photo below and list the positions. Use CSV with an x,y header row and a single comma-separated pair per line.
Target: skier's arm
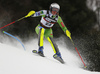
x,y
64,28
39,13
36,14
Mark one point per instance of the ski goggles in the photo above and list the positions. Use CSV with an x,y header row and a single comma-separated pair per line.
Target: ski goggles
x,y
55,9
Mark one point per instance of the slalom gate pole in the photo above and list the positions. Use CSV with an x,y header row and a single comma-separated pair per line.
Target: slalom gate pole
x,y
78,52
13,22
15,38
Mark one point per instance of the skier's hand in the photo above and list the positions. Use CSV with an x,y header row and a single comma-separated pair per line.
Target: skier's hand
x,y
30,13
68,34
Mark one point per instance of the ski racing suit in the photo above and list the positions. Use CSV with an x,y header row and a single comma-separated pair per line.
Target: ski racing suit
x,y
44,28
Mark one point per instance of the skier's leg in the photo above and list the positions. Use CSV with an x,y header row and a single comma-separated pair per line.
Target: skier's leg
x,y
54,46
40,31
41,37
49,36
57,54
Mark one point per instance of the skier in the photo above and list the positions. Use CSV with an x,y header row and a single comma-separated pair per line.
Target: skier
x,y
44,28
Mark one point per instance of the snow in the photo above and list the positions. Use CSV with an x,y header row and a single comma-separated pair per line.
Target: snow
x,y
14,60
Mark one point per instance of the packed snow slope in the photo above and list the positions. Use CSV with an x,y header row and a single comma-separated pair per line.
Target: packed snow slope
x,y
15,60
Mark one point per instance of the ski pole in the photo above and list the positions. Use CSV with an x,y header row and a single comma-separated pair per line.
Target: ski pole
x,y
12,22
28,15
77,52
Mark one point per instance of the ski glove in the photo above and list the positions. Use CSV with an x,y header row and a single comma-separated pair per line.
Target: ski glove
x,y
68,34
30,13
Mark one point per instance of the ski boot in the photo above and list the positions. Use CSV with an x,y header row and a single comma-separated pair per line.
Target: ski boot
x,y
58,57
40,51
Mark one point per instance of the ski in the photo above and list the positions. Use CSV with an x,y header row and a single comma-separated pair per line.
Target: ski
x,y
55,56
59,59
40,54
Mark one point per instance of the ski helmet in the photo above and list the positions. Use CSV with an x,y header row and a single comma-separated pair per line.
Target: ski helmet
x,y
56,6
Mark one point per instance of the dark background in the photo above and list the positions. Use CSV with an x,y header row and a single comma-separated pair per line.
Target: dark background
x,y
77,17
